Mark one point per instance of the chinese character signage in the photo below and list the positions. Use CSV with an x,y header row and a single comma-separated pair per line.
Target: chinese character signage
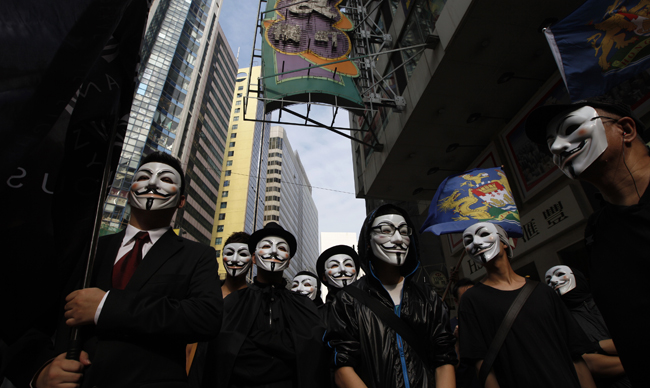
x,y
302,49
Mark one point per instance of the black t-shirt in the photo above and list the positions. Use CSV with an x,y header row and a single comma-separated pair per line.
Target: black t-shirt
x,y
618,238
541,345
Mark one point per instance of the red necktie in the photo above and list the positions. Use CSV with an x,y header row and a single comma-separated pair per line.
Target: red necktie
x,y
126,266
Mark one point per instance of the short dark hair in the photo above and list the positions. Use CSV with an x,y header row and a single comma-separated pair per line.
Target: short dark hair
x,y
238,237
161,157
464,282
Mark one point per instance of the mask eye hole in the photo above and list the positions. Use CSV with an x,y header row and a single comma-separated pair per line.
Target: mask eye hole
x,y
570,129
484,234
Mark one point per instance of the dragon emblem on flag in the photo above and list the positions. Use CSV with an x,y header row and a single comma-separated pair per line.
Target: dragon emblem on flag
x,y
479,195
625,36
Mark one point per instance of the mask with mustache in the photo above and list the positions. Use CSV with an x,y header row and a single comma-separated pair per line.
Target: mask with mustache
x,y
272,254
340,270
305,285
561,279
156,186
576,139
236,259
391,248
483,241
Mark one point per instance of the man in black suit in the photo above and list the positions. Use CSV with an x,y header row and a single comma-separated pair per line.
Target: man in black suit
x,y
154,293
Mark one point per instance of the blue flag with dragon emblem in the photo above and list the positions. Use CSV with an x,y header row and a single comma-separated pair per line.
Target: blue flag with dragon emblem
x,y
601,44
478,195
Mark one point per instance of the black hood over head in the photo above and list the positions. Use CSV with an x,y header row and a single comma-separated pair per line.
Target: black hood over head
x,y
412,261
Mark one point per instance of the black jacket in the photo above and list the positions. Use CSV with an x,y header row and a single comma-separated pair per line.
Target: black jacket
x,y
361,340
241,309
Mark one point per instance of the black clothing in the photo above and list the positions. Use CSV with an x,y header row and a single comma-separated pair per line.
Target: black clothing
x,y
364,342
586,313
466,376
542,342
617,237
270,337
172,299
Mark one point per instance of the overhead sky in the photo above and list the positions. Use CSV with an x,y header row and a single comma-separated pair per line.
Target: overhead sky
x,y
326,156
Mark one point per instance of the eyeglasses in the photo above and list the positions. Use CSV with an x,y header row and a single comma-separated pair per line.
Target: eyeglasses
x,y
389,229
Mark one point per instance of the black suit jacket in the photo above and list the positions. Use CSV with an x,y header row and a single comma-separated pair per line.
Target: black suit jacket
x,y
174,298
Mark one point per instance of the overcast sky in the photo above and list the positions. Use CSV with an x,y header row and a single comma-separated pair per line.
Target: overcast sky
x,y
326,156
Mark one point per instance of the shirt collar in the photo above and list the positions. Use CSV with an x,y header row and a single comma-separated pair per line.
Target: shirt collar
x,y
154,234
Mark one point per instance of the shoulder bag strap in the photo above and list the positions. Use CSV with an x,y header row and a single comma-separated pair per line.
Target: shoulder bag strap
x,y
501,334
391,319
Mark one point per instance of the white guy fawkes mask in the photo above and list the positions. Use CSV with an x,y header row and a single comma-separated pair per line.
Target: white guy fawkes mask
x,y
482,242
305,285
576,140
390,238
272,254
156,186
340,270
561,279
236,258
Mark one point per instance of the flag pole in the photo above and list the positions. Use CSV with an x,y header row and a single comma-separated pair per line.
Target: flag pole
x,y
74,343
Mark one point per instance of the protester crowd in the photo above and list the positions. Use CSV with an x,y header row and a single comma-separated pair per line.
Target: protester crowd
x,y
157,314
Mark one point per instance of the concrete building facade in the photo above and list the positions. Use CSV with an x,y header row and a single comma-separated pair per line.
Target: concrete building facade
x,y
241,197
467,98
289,201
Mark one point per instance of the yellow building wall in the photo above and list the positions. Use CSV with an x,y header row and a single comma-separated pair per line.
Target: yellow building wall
x,y
235,210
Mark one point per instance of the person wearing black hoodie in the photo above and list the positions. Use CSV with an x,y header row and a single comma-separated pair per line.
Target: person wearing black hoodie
x,y
367,350
572,287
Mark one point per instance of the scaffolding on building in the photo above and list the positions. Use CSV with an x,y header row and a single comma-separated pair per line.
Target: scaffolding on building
x,y
369,42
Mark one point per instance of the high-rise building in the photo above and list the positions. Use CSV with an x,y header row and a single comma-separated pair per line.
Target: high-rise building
x,y
240,202
180,37
289,201
204,138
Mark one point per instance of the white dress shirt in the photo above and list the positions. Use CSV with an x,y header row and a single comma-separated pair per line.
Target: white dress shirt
x,y
127,245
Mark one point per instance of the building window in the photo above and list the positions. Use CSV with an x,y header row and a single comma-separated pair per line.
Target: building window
x,y
219,228
239,95
226,183
238,102
218,240
233,135
224,205
240,88
236,118
224,193
229,163
235,126
222,216
237,110
218,253
228,172
232,144
231,153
